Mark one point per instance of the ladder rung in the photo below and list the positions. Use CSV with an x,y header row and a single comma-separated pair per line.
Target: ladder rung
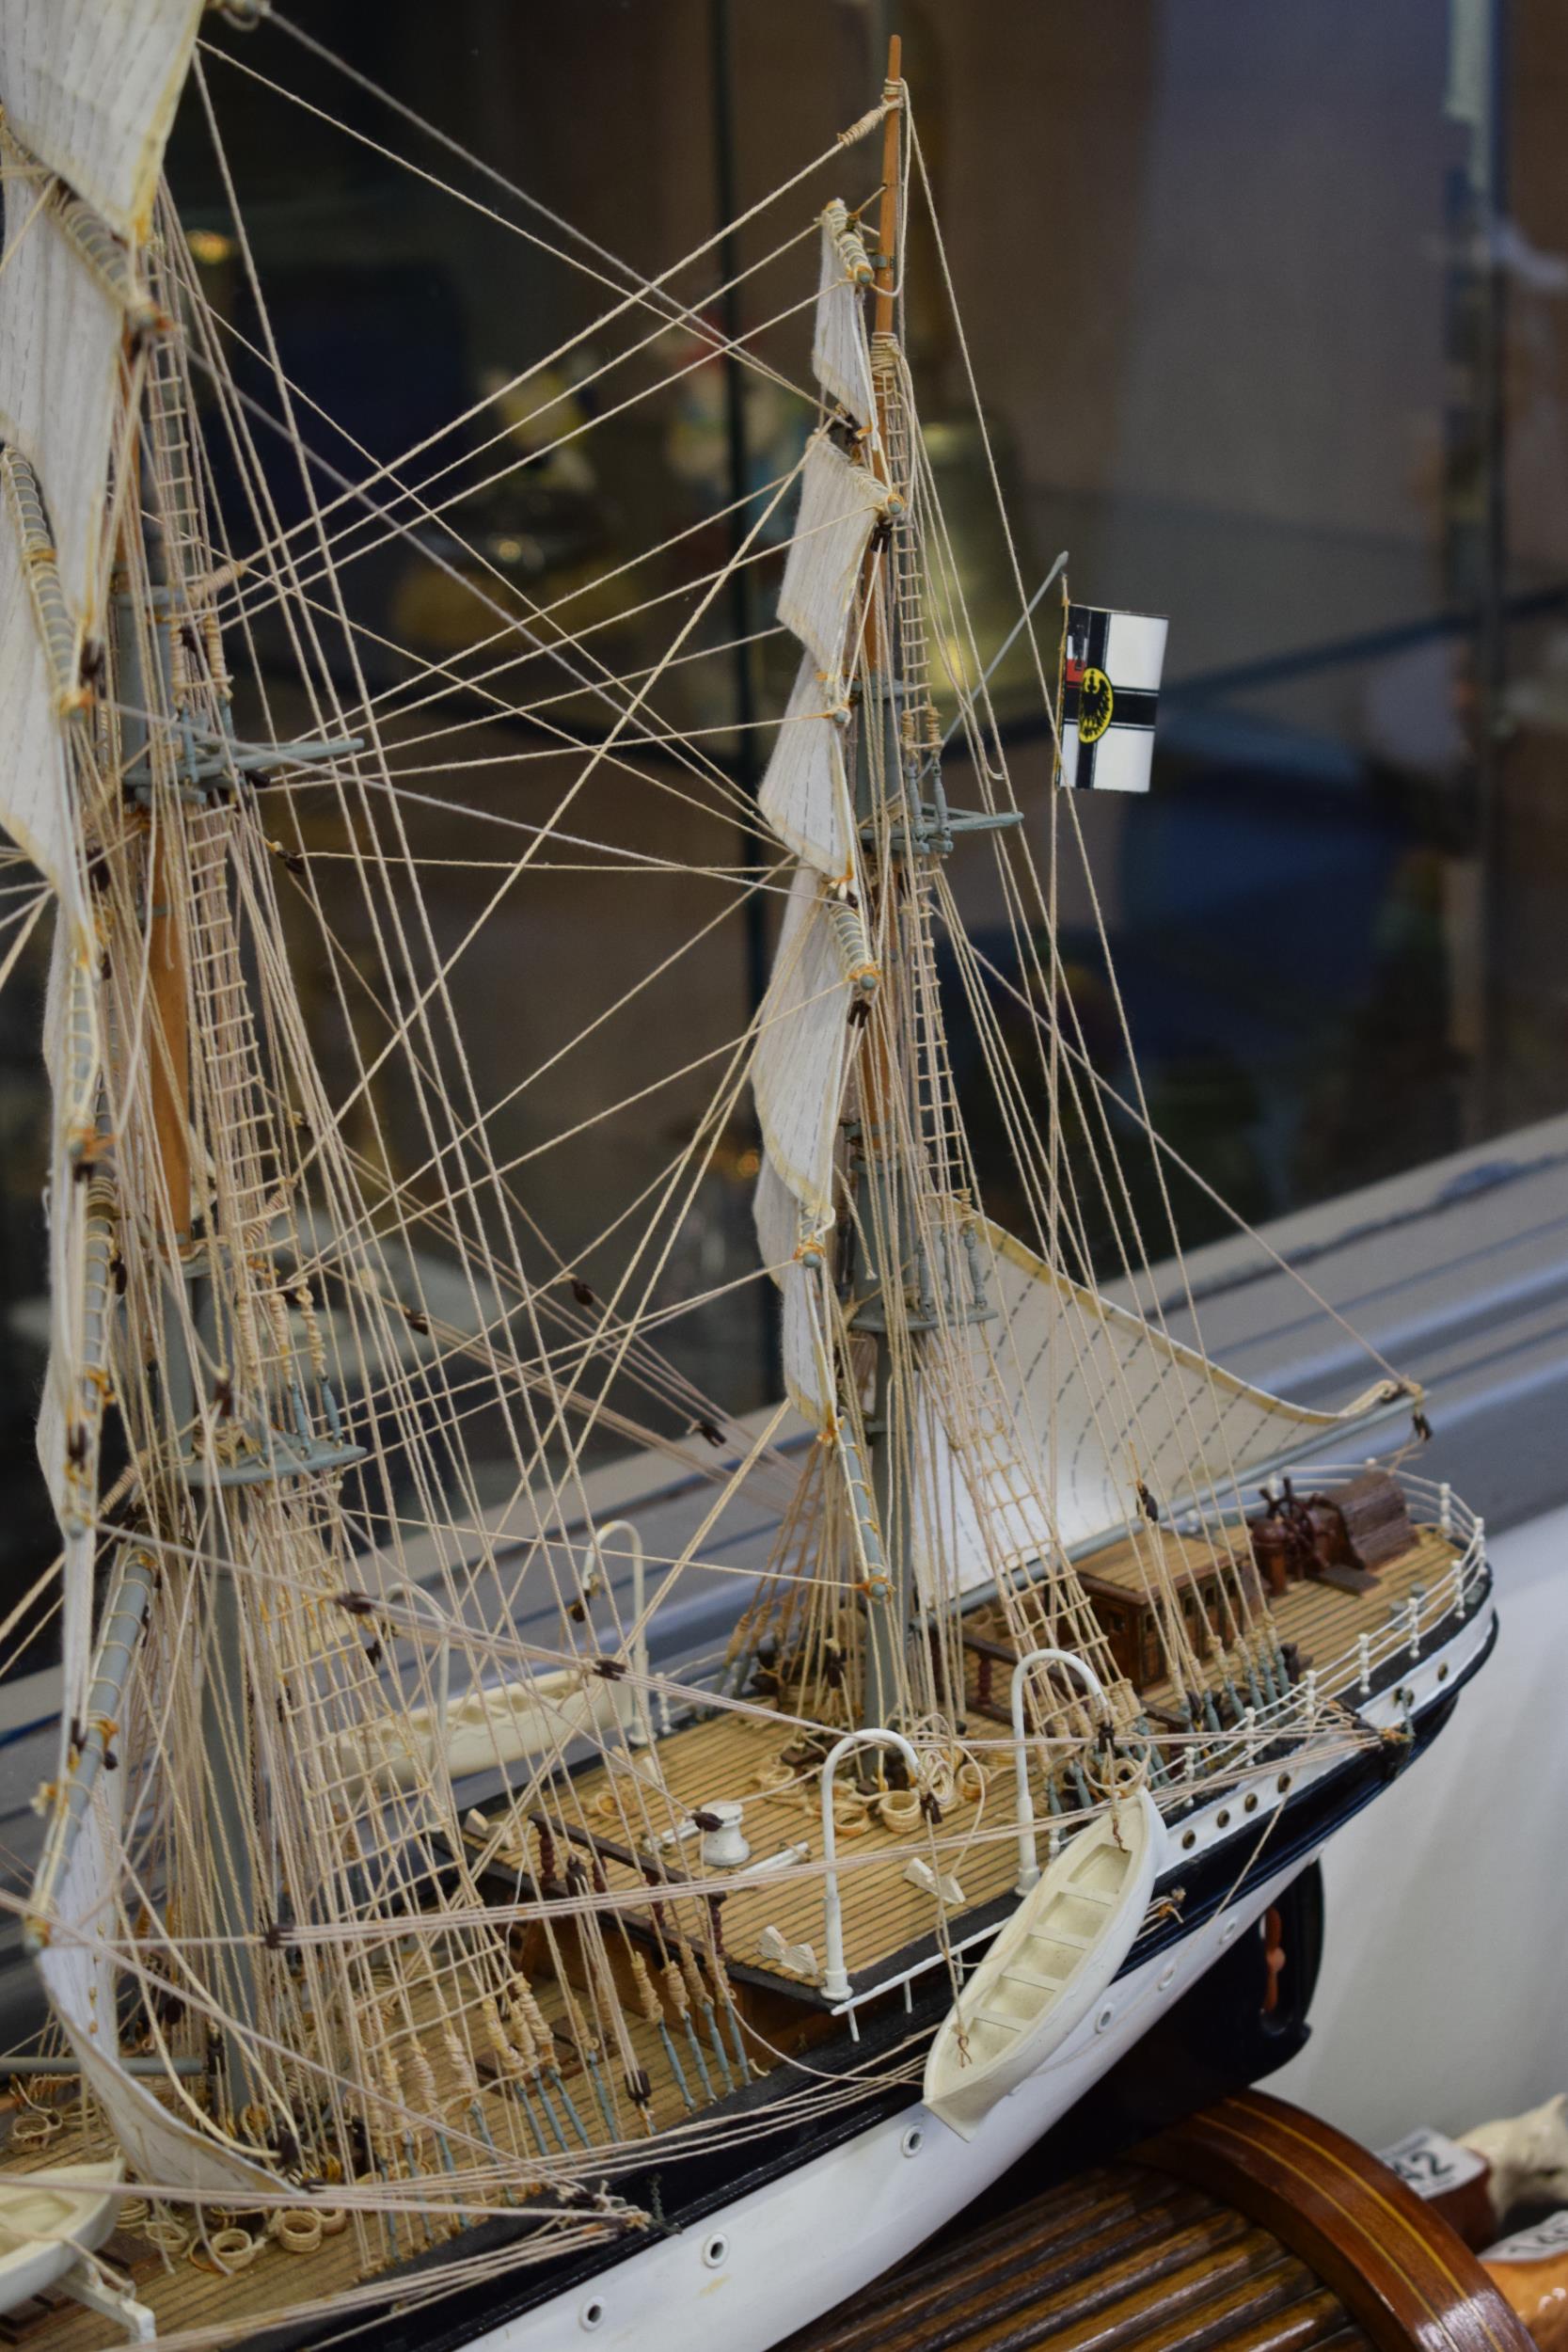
x,y
1032,1976
995,2017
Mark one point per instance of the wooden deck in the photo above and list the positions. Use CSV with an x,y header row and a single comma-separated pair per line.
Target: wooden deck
x,y
730,1756
183,2286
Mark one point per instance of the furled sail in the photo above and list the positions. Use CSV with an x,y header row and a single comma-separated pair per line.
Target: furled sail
x,y
805,796
74,1920
1097,1402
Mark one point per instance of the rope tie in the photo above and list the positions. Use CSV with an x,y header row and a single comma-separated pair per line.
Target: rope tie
x,y
868,122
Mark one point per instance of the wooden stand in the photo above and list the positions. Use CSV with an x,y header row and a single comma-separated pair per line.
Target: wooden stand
x,y
1252,2227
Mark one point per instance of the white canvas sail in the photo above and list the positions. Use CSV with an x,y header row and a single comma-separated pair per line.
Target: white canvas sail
x,y
60,337
73,1927
806,792
839,358
800,1067
789,1242
1096,1402
68,1419
807,1350
977,1503
76,1966
91,86
797,1072
840,506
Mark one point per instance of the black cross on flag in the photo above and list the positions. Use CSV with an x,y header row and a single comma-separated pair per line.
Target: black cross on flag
x,y
1111,664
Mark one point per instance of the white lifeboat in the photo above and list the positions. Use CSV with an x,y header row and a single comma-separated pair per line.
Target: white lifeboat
x,y
508,1724
1049,1965
49,2220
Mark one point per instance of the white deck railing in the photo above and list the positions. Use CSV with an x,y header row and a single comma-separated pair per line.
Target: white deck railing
x,y
1294,1716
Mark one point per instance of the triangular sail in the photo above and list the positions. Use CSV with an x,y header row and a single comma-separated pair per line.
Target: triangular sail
x,y
1099,1410
73,1926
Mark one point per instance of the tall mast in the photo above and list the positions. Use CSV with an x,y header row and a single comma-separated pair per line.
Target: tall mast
x,y
888,1599
905,825
181,761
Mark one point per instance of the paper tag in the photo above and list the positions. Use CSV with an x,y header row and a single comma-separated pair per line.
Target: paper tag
x,y
1431,2165
1534,2245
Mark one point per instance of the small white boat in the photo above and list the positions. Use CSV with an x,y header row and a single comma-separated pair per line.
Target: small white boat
x,y
49,2220
1048,1967
508,1724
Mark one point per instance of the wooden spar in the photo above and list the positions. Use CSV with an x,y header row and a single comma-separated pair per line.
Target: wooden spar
x,y
169,1074
887,218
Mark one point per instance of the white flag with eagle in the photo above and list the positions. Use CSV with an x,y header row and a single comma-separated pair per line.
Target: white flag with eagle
x,y
1110,691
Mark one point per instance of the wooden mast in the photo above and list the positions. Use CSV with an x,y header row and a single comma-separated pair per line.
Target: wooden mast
x,y
887,1597
169,1059
887,218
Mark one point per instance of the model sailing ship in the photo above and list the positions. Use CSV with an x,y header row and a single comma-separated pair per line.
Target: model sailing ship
x,y
757,1968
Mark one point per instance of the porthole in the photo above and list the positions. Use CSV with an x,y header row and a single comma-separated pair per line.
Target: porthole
x,y
1106,2018
1167,1977
1443,1671
1251,1804
590,2315
1188,1840
716,2252
912,2141
1222,1818
1284,1782
1230,1931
